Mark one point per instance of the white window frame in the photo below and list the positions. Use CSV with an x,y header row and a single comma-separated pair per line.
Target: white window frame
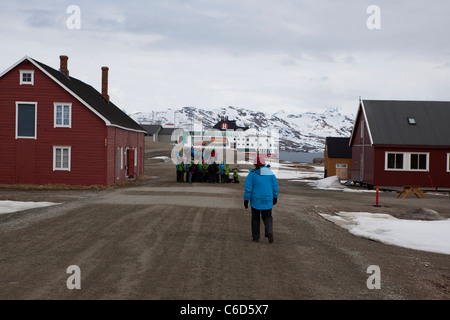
x,y
121,158
407,161
135,157
22,72
341,166
17,120
62,104
68,160
448,162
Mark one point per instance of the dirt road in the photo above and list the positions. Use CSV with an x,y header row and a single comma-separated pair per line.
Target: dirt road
x,y
168,240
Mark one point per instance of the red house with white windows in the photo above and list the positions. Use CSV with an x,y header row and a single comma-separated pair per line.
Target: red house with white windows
x,y
400,143
56,129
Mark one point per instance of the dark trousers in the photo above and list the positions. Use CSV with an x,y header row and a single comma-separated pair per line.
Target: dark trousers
x,y
266,216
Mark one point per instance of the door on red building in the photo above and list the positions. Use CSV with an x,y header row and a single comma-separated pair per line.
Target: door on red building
x,y
25,165
130,163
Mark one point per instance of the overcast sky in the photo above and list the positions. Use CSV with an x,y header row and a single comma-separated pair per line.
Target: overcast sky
x,y
264,55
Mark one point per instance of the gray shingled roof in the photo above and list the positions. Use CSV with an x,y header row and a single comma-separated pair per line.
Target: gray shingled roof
x,y
388,122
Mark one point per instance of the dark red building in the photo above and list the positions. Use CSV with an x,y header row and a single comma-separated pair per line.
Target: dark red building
x,y
398,143
56,129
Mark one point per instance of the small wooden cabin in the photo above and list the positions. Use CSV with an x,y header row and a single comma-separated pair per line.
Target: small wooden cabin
x,y
337,158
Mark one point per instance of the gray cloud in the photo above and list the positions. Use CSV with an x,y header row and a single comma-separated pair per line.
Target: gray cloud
x,y
312,53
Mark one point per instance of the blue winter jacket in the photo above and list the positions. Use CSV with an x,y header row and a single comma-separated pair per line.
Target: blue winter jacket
x,y
261,186
221,167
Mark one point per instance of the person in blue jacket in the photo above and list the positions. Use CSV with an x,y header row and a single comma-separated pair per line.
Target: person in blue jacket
x,y
261,189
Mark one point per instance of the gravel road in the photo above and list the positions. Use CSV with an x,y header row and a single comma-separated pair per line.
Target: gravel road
x,y
159,239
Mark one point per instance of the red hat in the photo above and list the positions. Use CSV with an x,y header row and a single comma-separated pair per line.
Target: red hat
x,y
260,161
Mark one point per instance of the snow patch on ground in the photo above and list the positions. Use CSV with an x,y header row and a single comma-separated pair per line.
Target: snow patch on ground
x,y
7,206
432,236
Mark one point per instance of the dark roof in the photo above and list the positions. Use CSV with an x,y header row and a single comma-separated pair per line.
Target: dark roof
x,y
388,122
151,128
231,125
167,130
338,147
94,99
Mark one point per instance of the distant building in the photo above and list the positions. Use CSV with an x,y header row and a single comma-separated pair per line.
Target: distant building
x,y
166,135
152,130
337,158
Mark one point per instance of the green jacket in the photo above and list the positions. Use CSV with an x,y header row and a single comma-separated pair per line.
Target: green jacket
x,y
226,169
236,175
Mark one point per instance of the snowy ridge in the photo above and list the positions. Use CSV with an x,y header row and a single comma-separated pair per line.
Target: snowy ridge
x,y
302,132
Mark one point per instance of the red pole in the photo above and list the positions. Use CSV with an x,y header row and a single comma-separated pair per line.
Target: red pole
x,y
377,205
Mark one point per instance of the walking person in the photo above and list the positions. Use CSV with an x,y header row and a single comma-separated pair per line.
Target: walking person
x,y
261,189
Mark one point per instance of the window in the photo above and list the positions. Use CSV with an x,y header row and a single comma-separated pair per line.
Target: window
x,y
418,161
407,161
412,120
26,120
61,158
394,161
27,77
341,165
63,115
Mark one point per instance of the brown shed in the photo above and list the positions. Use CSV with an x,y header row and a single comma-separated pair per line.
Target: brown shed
x,y
338,157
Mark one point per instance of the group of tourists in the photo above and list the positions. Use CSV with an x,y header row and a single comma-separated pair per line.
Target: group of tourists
x,y
204,172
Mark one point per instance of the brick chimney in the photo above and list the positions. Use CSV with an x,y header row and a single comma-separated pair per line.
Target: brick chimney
x,y
105,83
63,65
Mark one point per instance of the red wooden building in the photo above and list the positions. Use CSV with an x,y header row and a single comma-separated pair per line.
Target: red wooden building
x,y
399,143
56,129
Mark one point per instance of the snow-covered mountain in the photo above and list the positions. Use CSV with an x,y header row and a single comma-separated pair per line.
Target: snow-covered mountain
x,y
302,132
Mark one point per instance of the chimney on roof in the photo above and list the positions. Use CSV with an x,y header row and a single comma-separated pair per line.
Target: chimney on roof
x,y
63,65
105,83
